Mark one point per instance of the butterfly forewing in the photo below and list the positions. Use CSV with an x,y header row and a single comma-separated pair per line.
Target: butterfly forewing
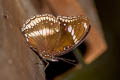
x,y
43,34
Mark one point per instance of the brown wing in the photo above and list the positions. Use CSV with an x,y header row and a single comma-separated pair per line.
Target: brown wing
x,y
42,32
52,36
73,31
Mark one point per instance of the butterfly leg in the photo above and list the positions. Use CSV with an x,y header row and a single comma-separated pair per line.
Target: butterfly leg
x,y
47,64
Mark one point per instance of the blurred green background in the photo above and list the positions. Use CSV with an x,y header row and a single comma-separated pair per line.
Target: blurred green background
x,y
107,66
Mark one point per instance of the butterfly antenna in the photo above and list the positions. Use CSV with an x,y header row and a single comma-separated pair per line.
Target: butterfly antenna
x,y
67,60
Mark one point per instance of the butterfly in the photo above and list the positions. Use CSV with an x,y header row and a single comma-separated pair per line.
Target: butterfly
x,y
52,36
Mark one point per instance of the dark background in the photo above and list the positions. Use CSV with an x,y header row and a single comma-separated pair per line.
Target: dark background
x,y
108,65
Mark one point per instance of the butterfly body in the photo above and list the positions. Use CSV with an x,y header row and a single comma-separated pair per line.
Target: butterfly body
x,y
52,37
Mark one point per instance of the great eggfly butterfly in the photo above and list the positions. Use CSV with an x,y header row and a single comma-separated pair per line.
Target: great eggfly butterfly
x,y
52,36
